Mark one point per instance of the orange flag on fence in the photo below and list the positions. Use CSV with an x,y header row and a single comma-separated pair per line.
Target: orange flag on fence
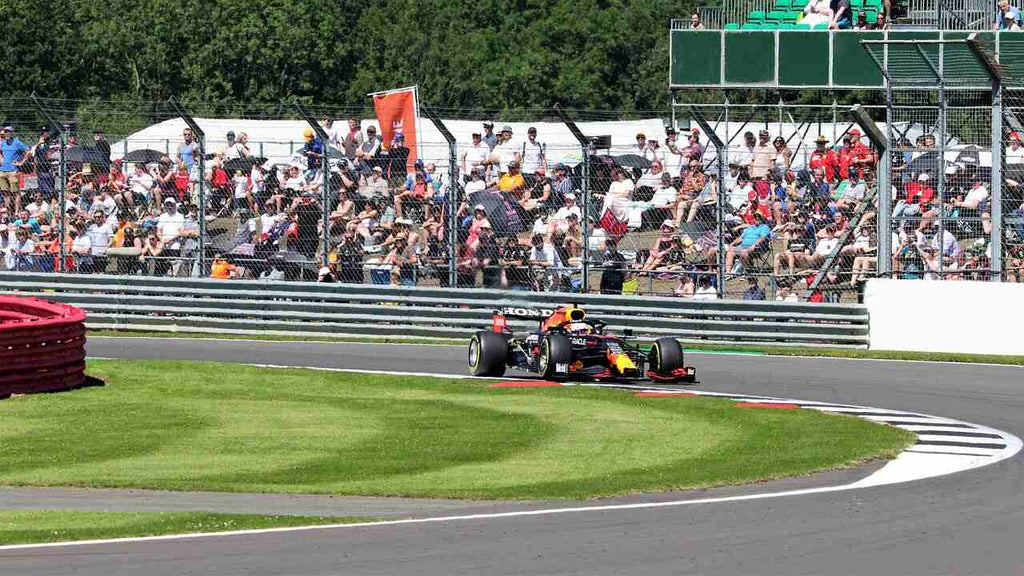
x,y
398,112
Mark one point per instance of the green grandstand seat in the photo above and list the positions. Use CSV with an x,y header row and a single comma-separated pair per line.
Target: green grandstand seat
x,y
800,4
875,5
732,26
822,26
802,26
794,16
756,17
783,4
787,26
751,26
856,5
871,15
775,16
770,26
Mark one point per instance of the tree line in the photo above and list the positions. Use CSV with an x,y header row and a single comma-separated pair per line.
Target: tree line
x,y
488,54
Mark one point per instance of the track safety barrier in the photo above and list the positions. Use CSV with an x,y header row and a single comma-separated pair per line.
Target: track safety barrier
x,y
312,309
42,346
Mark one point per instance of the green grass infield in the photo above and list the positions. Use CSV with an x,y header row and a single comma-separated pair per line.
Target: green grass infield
x,y
203,426
39,526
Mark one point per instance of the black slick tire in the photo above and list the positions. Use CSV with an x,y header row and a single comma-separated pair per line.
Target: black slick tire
x,y
554,350
488,352
665,356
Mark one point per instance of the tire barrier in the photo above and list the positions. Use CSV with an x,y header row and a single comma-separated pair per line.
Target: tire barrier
x,y
42,346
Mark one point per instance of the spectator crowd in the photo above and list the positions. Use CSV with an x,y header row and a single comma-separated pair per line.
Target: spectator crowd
x,y
520,223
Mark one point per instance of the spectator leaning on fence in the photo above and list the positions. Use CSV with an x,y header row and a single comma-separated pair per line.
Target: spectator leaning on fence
x,y
12,155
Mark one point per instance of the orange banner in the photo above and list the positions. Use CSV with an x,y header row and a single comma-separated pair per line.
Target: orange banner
x,y
396,112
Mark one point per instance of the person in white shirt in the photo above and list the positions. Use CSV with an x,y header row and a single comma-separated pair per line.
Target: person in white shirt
x,y
236,148
740,193
543,254
617,199
141,184
100,233
270,218
19,252
745,157
475,156
786,294
505,151
561,217
38,208
1015,152
105,203
705,291
533,156
335,133
243,200
476,181
652,178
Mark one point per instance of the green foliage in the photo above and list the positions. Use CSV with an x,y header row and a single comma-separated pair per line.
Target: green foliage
x,y
492,54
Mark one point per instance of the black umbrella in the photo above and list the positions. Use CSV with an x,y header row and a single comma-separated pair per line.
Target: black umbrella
x,y
494,204
927,162
633,161
244,164
85,155
144,156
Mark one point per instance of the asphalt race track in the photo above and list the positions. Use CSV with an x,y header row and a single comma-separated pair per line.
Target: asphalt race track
x,y
966,523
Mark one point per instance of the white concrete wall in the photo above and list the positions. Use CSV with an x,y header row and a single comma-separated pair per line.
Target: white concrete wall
x,y
930,316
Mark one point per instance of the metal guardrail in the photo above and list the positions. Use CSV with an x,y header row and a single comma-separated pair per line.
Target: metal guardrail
x,y
311,309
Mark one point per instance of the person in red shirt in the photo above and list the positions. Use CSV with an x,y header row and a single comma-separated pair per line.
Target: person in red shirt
x,y
919,195
754,207
854,154
824,158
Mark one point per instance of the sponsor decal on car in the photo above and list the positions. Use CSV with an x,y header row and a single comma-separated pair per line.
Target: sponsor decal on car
x,y
561,367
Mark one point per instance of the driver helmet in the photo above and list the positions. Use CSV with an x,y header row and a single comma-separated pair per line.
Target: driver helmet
x,y
579,328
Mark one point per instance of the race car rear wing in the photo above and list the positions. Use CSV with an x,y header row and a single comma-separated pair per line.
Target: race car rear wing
x,y
501,315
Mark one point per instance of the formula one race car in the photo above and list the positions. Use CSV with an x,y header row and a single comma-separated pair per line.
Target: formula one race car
x,y
568,345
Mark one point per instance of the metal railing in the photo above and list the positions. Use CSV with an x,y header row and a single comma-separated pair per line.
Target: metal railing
x,y
312,309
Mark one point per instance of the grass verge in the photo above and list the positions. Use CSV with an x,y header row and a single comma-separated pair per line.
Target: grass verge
x,y
768,350
178,425
39,526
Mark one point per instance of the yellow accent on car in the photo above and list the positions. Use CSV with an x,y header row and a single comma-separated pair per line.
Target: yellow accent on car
x,y
623,363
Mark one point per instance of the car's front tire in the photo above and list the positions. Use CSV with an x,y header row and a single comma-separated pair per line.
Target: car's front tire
x,y
665,356
488,352
554,350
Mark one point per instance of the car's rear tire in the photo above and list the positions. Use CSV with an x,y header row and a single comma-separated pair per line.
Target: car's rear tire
x,y
665,356
488,352
554,350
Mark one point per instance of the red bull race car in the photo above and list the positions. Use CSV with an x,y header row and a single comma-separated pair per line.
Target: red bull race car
x,y
569,346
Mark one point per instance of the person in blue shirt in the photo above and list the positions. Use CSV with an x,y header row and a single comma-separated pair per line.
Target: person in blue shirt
x,y
12,155
313,150
1006,16
752,240
26,221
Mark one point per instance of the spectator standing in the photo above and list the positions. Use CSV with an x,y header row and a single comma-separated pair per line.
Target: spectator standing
x,y
398,161
43,165
614,212
475,156
354,138
745,158
854,155
506,151
236,148
696,150
100,235
533,156
13,153
335,136
188,149
368,155
101,144
764,155
169,227
824,158
676,156
695,23
490,138
313,150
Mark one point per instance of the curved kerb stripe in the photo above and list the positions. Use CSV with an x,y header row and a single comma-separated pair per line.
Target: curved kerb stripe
x,y
937,452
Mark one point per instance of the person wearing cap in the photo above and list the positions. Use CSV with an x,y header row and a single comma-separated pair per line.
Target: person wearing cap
x,y
920,195
854,193
824,158
313,150
375,186
513,183
1006,16
505,151
854,155
396,165
641,144
13,153
560,219
695,148
661,245
489,137
561,185
475,155
476,181
1015,151
534,157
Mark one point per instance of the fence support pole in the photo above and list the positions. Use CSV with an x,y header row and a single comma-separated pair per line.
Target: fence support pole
x,y
61,130
723,161
325,167
989,63
585,145
454,190
201,138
